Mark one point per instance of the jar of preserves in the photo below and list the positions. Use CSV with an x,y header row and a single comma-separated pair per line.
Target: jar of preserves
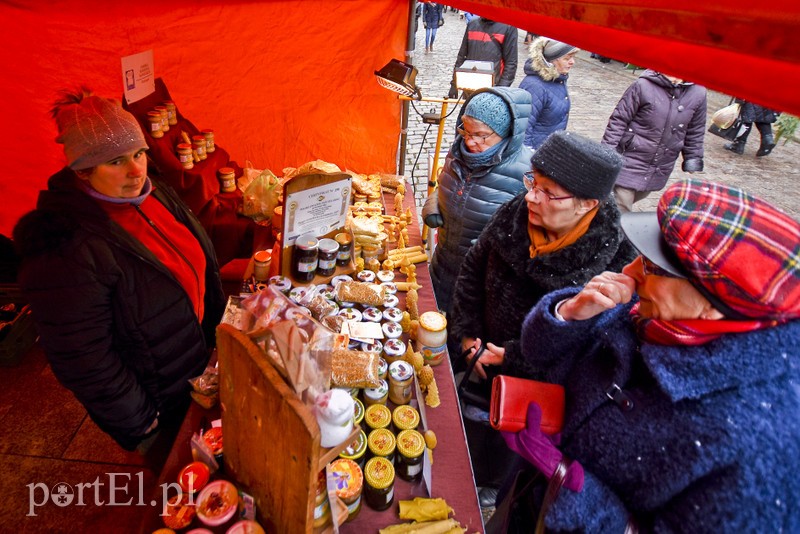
x,y
401,382
172,112
393,350
322,506
358,409
381,442
405,417
349,483
281,283
199,146
345,241
164,117
432,337
328,248
209,136
261,263
376,395
377,416
154,118
379,483
185,155
357,450
305,257
383,369
410,446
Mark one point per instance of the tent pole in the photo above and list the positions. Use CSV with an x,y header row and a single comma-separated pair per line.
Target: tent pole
x,y
410,41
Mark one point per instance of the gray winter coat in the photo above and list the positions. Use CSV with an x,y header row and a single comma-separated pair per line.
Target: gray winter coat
x,y
467,200
653,123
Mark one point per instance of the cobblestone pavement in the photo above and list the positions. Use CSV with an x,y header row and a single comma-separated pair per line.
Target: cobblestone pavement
x,y
595,89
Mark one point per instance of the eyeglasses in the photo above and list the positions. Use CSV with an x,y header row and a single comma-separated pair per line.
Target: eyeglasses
x,y
650,268
478,137
530,184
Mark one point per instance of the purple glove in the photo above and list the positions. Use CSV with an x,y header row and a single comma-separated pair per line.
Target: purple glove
x,y
537,448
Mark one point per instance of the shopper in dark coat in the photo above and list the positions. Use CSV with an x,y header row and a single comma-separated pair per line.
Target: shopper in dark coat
x,y
479,175
122,280
546,74
657,119
763,119
432,18
681,414
504,274
487,40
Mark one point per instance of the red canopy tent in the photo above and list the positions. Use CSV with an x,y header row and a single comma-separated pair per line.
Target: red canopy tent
x,y
282,83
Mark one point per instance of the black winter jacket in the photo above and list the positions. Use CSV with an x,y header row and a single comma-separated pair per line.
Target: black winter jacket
x,y
467,200
118,329
499,283
653,123
486,40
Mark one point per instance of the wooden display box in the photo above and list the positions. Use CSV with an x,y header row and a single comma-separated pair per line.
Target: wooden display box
x,y
272,440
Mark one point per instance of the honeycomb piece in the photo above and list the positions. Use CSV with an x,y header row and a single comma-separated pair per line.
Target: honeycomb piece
x,y
425,376
432,397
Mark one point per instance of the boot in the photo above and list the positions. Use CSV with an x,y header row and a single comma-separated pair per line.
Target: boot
x,y
737,147
767,144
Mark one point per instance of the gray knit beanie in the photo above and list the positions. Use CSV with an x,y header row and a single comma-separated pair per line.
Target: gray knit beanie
x,y
583,167
491,110
556,49
96,130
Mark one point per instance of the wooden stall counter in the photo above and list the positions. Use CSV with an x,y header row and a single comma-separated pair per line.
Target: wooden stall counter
x,y
451,471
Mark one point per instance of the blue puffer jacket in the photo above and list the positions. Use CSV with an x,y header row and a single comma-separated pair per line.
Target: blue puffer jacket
x,y
467,200
549,97
711,442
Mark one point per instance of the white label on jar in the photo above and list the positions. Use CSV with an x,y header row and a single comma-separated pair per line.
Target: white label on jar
x,y
321,509
327,264
412,470
434,354
155,126
390,495
344,254
307,267
185,157
354,506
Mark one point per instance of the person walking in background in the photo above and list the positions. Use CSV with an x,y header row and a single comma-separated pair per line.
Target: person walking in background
x,y
763,118
482,171
546,73
432,18
658,118
486,40
122,280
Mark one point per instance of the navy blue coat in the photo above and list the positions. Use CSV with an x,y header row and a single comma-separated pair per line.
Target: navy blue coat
x,y
467,200
431,13
549,103
711,444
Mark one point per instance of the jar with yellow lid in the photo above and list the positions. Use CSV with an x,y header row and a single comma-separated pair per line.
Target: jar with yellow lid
x,y
345,241
358,409
381,442
379,486
432,337
349,483
357,450
378,416
405,417
410,446
322,506
401,382
376,395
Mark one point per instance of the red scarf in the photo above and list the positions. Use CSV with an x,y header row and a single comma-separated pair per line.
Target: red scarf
x,y
691,331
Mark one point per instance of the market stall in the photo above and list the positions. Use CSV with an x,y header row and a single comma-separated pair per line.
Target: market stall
x,y
450,472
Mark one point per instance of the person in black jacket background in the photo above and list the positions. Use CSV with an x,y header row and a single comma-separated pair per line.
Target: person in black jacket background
x,y
486,40
122,280
763,119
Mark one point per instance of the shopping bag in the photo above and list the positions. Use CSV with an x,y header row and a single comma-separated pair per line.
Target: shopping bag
x,y
725,117
727,133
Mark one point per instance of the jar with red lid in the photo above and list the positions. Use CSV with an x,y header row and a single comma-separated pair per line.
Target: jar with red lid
x,y
199,145
185,155
227,178
209,136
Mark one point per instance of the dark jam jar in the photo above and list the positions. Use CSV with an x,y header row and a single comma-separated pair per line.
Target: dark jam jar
x,y
304,257
379,487
327,257
410,446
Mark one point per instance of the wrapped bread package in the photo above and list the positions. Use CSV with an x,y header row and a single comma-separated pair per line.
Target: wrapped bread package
x,y
367,225
354,369
361,293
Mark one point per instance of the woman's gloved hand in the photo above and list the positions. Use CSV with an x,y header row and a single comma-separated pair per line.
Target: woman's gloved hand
x,y
534,446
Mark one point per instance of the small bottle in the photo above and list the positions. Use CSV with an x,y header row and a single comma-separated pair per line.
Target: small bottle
x,y
185,155
154,118
305,256
401,380
209,135
172,112
379,487
410,446
199,144
328,248
227,179
261,264
164,117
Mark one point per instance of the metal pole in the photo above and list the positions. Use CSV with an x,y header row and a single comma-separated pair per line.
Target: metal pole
x,y
410,44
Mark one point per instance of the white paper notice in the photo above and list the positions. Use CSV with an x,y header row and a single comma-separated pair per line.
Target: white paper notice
x,y
138,76
316,210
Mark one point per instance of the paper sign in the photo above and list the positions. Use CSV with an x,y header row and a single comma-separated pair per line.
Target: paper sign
x,y
138,76
316,210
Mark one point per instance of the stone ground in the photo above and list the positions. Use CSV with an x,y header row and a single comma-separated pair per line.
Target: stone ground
x,y
595,89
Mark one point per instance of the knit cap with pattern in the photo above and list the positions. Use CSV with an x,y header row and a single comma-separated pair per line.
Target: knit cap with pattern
x,y
96,130
491,110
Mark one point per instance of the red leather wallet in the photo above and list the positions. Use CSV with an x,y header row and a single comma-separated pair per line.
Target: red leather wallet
x,y
510,399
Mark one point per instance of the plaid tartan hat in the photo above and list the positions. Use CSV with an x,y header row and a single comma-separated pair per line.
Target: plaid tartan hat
x,y
740,252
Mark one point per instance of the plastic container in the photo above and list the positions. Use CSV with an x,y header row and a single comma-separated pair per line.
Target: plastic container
x,y
193,477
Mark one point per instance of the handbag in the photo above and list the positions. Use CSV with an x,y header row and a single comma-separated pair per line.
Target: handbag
x,y
727,133
725,117
511,397
476,393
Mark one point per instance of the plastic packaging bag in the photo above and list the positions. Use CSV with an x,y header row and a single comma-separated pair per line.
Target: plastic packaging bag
x,y
261,196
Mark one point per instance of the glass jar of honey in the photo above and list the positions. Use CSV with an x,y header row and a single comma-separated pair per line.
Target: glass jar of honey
x,y
185,155
410,446
401,381
154,119
227,179
209,136
379,487
432,336
199,145
381,442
